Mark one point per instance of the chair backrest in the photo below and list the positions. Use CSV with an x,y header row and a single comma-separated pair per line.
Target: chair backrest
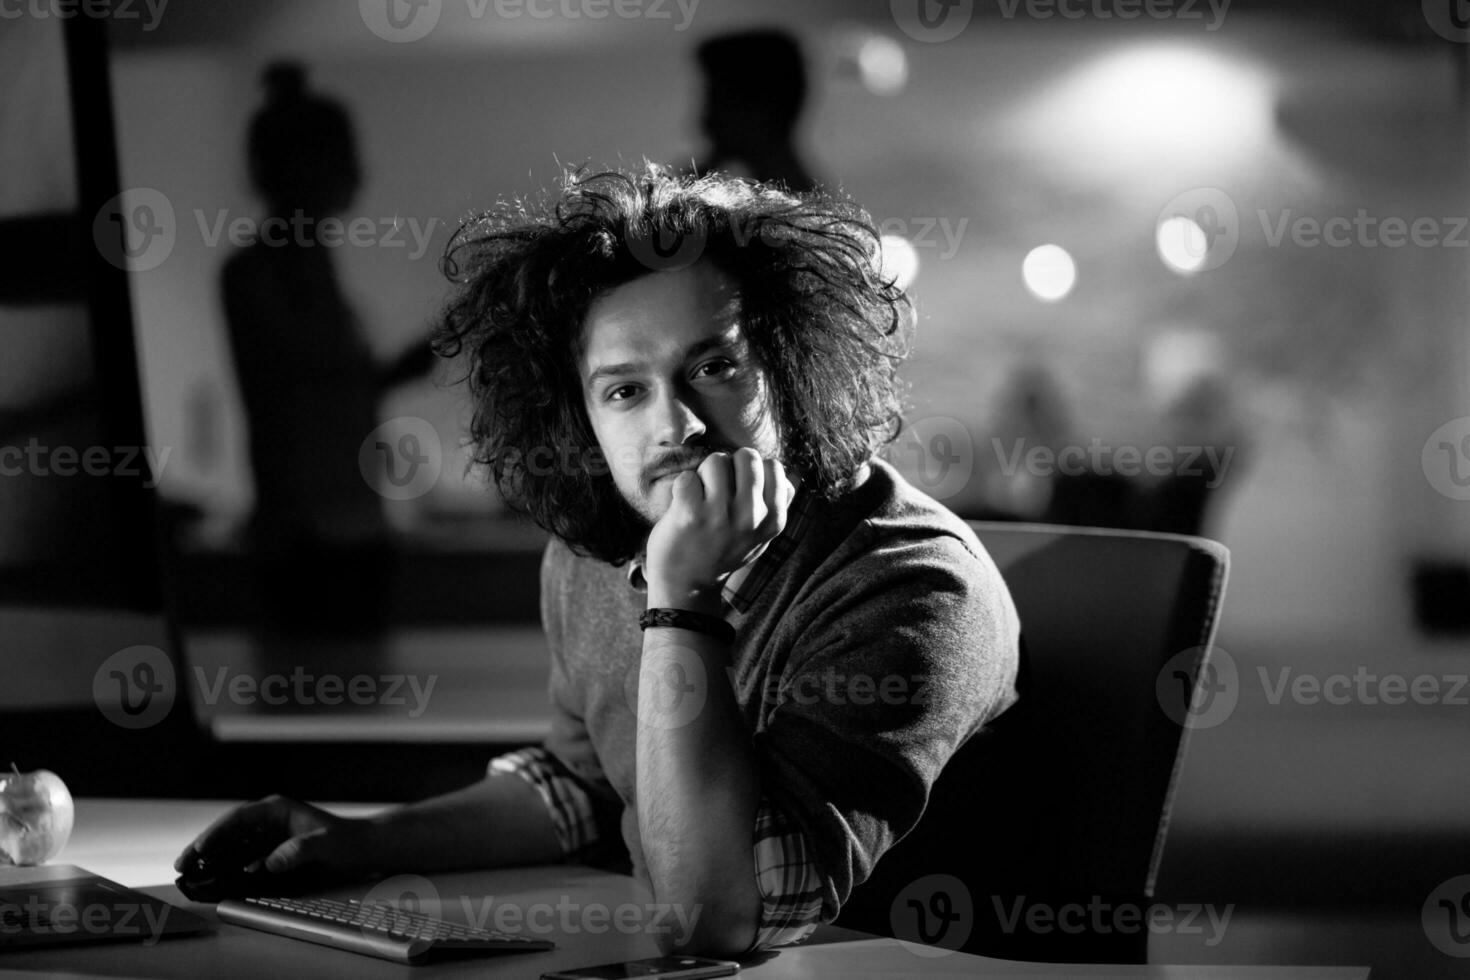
x,y
1065,798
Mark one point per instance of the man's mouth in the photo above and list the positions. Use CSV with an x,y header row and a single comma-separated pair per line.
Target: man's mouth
x,y
676,469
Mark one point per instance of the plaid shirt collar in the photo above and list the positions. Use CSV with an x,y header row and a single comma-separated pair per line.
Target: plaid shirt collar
x,y
741,598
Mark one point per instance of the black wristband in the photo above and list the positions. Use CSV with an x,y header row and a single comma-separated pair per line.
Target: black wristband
x,y
685,619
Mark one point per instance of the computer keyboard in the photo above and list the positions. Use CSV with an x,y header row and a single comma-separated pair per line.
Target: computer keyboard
x,y
375,929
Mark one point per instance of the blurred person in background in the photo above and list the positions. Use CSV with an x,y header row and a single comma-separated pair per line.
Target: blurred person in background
x,y
755,87
1207,438
307,376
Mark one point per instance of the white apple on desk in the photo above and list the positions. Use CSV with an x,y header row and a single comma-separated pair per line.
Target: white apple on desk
x,y
36,813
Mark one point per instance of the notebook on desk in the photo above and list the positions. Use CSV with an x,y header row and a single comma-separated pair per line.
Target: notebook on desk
x,y
61,904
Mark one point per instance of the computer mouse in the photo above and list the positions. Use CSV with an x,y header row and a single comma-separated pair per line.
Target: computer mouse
x,y
222,873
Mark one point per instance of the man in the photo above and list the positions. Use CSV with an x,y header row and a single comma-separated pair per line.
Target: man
x,y
765,644
755,87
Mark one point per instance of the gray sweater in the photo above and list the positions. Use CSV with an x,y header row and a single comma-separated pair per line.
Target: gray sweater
x,y
870,652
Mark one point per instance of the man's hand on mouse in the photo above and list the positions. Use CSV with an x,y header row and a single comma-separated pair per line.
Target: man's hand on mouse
x,y
721,516
286,834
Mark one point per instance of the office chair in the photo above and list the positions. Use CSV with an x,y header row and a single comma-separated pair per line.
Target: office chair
x,y
1065,798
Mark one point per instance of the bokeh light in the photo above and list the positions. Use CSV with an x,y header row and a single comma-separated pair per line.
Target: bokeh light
x,y
882,65
1049,272
1182,244
899,259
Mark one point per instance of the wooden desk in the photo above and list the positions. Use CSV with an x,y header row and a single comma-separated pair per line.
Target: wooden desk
x,y
134,842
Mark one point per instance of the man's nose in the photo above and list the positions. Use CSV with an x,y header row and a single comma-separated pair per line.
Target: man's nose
x,y
679,419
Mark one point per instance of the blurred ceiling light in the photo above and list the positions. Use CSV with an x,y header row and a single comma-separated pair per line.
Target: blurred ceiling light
x,y
1049,272
882,65
1182,244
899,259
1152,106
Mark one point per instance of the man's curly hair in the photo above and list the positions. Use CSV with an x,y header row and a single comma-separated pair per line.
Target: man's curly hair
x,y
823,320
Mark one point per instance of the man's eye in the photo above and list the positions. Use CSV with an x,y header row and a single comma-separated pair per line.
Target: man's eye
x,y
715,368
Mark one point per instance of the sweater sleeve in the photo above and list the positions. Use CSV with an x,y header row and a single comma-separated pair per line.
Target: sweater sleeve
x,y
898,655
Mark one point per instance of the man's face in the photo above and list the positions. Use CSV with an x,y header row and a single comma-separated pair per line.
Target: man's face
x,y
667,378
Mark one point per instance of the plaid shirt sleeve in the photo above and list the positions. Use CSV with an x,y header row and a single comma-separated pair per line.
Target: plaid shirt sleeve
x,y
789,883
568,803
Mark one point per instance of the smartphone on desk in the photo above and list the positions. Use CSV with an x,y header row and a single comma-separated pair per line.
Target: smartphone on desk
x,y
665,967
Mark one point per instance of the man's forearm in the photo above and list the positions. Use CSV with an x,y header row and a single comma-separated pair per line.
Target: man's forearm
x,y
697,790
500,820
